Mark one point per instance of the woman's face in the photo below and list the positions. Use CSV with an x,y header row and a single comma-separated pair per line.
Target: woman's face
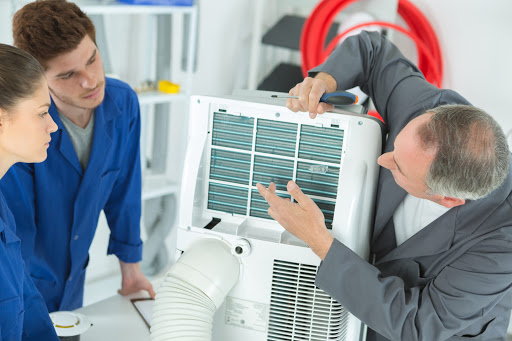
x,y
25,130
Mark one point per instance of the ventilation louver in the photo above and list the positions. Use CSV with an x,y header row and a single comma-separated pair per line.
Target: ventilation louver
x,y
301,311
248,150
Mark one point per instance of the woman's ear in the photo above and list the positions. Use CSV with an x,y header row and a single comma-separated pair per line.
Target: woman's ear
x,y
3,117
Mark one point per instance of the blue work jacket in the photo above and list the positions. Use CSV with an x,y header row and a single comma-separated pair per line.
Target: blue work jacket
x,y
23,313
57,205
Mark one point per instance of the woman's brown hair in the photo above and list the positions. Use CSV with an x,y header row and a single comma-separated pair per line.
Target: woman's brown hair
x,y
20,76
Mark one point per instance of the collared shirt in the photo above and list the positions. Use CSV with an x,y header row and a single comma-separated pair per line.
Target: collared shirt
x,y
413,214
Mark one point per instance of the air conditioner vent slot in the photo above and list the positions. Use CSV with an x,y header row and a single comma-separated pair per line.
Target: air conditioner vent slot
x,y
268,170
320,144
232,131
327,208
230,166
318,180
274,137
227,198
301,311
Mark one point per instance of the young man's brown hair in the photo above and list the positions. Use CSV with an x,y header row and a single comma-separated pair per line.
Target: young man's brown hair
x,y
49,28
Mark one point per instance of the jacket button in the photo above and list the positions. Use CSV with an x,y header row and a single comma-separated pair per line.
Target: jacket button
x,y
76,237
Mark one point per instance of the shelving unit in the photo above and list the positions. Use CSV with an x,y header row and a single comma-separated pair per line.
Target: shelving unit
x,y
285,34
163,116
155,97
275,57
155,186
112,7
181,75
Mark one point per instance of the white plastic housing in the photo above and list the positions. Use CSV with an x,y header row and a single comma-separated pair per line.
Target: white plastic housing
x,y
234,143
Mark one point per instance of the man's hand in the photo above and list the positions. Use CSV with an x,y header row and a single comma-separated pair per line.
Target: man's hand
x,y
303,219
309,91
133,280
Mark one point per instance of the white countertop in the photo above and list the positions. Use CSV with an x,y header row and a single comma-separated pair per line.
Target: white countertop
x,y
115,318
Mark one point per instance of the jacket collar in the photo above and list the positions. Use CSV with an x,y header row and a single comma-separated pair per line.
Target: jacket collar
x,y
432,239
389,196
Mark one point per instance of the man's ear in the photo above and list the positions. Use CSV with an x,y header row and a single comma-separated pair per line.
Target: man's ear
x,y
450,202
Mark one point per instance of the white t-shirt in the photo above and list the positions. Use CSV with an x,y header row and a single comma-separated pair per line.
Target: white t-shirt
x,y
413,214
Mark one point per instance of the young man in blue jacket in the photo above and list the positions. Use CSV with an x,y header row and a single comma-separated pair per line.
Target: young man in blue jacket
x,y
93,160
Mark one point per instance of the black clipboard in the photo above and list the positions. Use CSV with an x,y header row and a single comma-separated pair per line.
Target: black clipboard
x,y
144,307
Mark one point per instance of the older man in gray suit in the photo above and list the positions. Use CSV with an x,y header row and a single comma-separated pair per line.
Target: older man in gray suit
x,y
442,239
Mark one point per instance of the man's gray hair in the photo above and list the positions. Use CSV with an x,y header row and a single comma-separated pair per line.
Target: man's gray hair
x,y
471,152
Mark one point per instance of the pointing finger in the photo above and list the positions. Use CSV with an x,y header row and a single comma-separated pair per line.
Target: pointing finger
x,y
268,195
262,190
297,193
272,188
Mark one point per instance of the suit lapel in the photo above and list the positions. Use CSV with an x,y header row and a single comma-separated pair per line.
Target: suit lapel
x,y
389,196
432,239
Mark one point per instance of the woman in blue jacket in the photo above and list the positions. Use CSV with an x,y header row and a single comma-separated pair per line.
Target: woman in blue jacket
x,y
25,128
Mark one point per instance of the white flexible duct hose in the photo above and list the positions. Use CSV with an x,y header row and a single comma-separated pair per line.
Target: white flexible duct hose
x,y
193,290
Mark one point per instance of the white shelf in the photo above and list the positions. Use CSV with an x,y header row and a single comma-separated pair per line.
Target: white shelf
x,y
155,97
155,186
113,7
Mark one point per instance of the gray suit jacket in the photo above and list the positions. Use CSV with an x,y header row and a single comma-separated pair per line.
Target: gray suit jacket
x,y
452,279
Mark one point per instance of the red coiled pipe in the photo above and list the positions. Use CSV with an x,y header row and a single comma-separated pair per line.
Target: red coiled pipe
x,y
317,25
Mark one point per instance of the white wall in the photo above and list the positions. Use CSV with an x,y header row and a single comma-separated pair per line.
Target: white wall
x,y
5,22
475,40
225,28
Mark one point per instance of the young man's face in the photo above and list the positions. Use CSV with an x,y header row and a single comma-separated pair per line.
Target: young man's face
x,y
409,162
76,79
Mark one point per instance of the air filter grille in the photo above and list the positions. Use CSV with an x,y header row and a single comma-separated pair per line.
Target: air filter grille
x,y
301,311
226,198
317,179
268,170
320,144
232,131
230,166
246,150
277,138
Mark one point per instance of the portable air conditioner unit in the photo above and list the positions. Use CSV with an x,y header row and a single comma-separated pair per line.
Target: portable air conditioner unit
x,y
233,144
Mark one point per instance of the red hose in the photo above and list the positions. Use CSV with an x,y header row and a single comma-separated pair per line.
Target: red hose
x,y
422,48
318,23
